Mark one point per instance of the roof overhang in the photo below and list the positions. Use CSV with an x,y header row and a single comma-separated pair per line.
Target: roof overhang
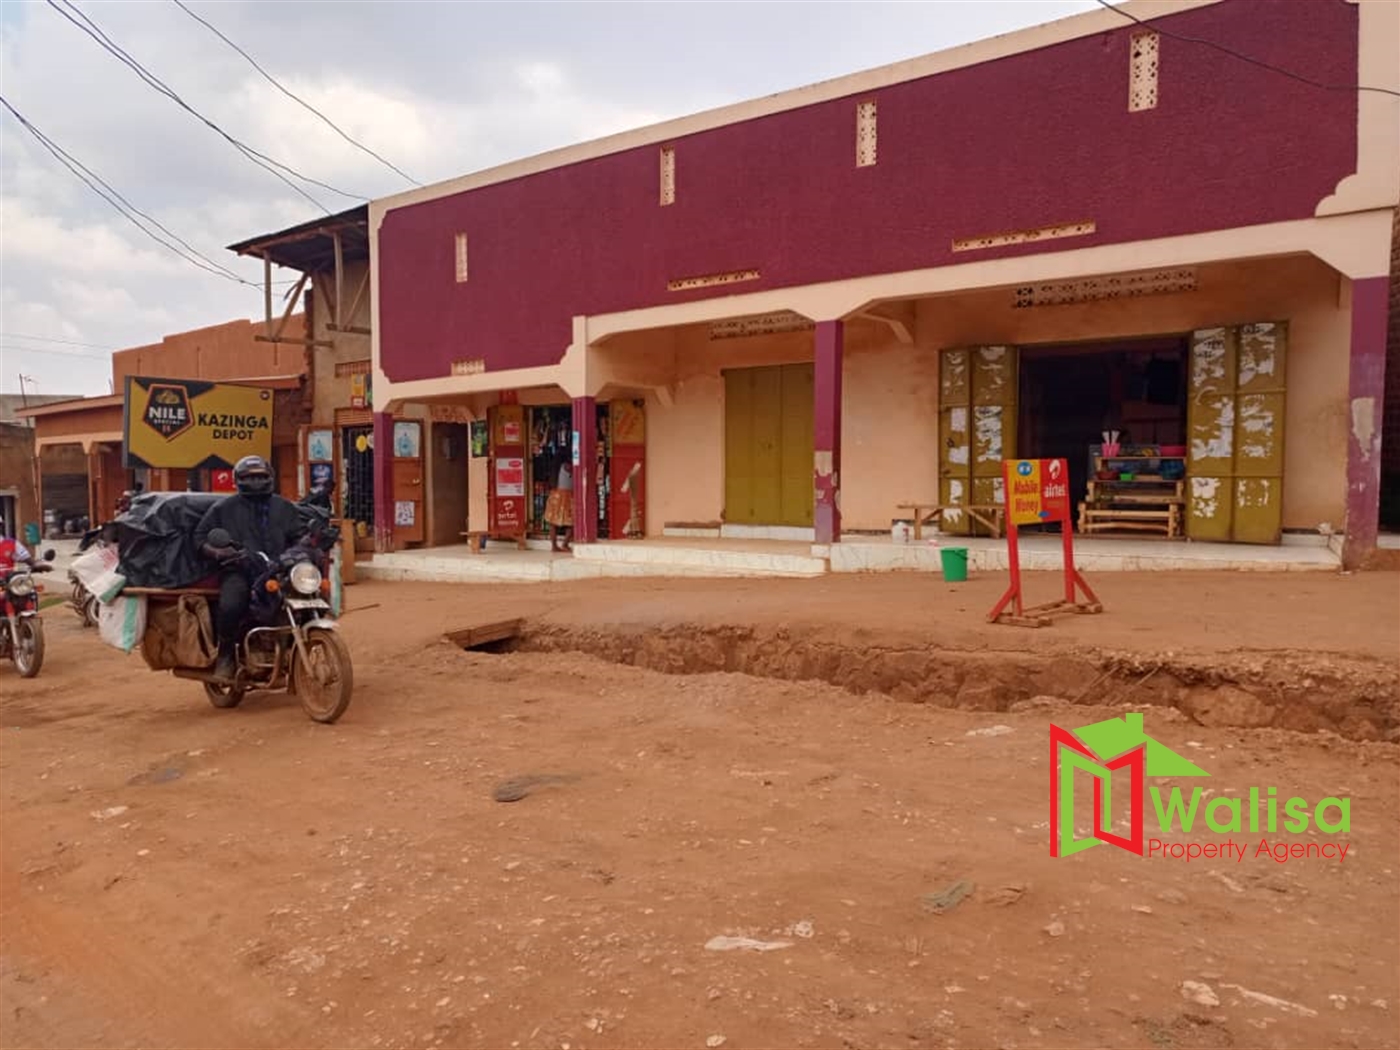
x,y
78,404
310,246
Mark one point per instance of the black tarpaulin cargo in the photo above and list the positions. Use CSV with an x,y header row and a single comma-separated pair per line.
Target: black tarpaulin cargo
x,y
155,539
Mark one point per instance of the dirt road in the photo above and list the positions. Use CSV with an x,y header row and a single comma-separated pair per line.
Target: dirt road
x,y
175,875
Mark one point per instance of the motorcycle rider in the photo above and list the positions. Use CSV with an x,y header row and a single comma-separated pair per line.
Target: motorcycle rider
x,y
12,552
257,520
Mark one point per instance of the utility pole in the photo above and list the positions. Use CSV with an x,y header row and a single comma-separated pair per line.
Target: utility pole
x,y
23,396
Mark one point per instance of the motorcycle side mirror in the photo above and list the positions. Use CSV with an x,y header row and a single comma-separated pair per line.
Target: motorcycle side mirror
x,y
49,554
220,538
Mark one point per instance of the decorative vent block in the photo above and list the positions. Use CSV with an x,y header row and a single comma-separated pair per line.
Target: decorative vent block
x,y
668,175
866,138
685,284
473,366
352,368
1142,72
760,324
1118,286
461,258
1042,233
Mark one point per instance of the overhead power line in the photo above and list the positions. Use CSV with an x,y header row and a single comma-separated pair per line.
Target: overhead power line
x,y
51,339
1156,26
124,207
90,355
296,98
88,26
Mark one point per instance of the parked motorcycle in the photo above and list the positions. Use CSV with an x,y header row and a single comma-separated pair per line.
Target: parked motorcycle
x,y
22,639
290,639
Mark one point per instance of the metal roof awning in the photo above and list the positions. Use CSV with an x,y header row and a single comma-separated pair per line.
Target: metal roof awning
x,y
311,246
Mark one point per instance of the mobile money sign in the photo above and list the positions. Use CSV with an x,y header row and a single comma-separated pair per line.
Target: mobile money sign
x,y
186,424
1037,493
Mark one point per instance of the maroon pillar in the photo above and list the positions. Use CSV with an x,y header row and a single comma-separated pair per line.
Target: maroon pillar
x,y
585,461
1366,398
826,431
383,482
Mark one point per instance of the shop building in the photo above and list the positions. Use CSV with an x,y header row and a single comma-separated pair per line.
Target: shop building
x,y
331,257
817,306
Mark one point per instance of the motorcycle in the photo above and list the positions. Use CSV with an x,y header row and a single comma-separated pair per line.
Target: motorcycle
x,y
22,639
290,639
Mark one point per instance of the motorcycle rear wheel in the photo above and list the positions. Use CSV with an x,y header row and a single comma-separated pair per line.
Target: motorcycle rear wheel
x,y
29,652
224,696
325,694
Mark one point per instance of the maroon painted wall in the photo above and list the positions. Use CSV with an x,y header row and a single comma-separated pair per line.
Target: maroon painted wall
x,y
1032,140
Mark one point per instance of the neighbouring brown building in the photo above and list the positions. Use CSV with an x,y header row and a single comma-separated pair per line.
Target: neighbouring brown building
x,y
82,438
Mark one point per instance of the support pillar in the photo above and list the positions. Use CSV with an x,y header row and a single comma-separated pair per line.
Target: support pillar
x,y
383,482
826,431
585,464
1366,398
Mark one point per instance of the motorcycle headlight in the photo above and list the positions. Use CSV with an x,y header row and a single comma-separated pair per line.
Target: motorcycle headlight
x,y
21,584
306,578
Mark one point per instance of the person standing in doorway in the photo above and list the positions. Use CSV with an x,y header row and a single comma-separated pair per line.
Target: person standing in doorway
x,y
559,509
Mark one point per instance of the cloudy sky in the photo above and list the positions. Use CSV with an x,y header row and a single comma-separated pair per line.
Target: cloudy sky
x,y
437,89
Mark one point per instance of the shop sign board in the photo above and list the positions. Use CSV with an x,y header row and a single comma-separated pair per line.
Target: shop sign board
x,y
1037,491
183,424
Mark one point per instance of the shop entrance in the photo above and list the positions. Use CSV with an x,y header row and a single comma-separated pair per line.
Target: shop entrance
x,y
1199,421
357,482
768,445
1071,396
551,448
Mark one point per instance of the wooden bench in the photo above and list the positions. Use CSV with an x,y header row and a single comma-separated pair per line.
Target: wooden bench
x,y
1145,504
1166,521
989,515
476,539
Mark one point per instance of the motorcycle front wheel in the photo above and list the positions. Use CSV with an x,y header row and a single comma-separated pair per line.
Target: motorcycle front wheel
x,y
29,649
91,611
224,696
325,692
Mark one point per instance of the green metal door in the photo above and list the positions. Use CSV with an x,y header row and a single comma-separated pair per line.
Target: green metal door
x,y
768,445
976,427
1235,419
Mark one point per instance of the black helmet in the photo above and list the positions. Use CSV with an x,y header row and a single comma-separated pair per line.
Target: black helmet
x,y
252,476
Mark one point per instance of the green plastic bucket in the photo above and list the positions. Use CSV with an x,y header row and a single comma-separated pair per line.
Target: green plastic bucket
x,y
954,563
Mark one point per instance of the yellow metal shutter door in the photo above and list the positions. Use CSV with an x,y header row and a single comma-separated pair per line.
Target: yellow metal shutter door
x,y
994,390
738,446
1210,428
954,436
798,491
976,428
1259,411
1235,422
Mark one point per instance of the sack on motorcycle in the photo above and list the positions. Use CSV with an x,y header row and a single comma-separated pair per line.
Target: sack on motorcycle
x,y
93,564
121,623
107,586
179,634
155,539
